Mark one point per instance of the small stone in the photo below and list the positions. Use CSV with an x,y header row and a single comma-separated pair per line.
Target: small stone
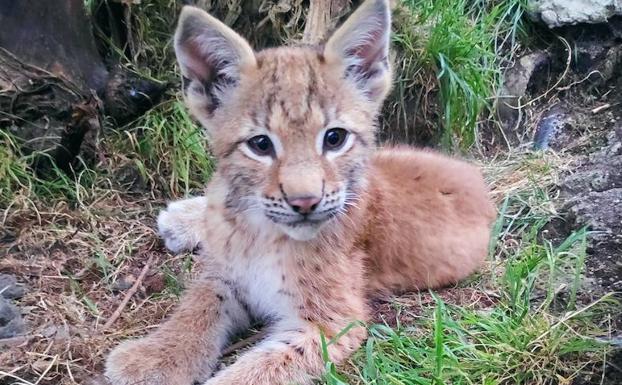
x,y
556,13
11,322
124,283
10,288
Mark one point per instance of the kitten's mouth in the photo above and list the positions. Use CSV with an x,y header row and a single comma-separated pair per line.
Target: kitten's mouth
x,y
314,219
302,230
305,228
307,222
298,220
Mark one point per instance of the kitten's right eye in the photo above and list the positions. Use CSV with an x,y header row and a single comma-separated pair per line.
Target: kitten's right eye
x,y
334,139
261,145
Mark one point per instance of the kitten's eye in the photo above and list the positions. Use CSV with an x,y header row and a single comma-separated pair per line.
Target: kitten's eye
x,y
261,145
334,139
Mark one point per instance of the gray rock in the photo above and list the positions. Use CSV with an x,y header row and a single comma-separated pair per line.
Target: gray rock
x,y
10,288
606,176
11,322
556,13
551,130
593,195
601,212
515,83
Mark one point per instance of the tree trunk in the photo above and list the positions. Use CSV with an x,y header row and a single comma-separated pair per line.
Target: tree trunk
x,y
322,19
54,35
49,68
53,81
50,115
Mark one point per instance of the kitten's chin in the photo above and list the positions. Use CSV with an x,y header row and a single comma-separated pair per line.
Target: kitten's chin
x,y
301,233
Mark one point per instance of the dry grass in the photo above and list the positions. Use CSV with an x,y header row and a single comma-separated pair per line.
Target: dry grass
x,y
80,243
77,263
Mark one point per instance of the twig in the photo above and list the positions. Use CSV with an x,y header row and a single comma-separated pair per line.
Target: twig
x,y
244,343
569,86
45,372
570,315
128,24
322,18
10,375
128,295
600,108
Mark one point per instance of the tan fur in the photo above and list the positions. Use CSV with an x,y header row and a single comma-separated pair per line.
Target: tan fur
x,y
403,219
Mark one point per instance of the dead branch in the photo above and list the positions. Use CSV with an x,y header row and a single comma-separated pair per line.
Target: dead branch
x,y
130,293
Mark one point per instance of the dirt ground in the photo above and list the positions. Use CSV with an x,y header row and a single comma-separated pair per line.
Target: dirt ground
x,y
583,119
573,106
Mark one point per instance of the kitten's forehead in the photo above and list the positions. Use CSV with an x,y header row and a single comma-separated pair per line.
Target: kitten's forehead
x,y
293,87
294,72
286,60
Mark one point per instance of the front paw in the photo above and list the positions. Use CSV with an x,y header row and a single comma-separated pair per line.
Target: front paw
x,y
140,362
180,223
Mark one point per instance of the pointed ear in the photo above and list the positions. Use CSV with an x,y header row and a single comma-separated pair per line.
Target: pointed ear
x,y
361,46
211,57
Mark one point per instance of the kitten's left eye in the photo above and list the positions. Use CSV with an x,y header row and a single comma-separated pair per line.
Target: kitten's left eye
x,y
334,139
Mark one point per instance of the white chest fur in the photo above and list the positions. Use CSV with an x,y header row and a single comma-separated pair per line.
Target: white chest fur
x,y
261,283
254,260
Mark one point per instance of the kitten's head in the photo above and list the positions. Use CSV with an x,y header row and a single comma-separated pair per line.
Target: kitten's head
x,y
292,127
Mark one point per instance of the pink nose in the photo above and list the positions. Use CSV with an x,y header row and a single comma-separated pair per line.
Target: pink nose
x,y
304,205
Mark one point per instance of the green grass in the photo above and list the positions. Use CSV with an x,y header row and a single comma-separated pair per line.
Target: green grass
x,y
533,334
451,54
19,185
13,171
168,149
165,146
454,345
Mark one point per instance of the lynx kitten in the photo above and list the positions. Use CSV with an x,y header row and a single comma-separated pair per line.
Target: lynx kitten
x,y
305,219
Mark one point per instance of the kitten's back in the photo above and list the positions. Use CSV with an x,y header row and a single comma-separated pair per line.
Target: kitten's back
x,y
430,220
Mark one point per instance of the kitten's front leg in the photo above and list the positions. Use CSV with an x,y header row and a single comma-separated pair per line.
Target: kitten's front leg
x,y
288,357
180,224
186,347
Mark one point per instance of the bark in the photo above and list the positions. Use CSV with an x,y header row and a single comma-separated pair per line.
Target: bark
x,y
49,70
322,19
54,35
49,114
54,84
